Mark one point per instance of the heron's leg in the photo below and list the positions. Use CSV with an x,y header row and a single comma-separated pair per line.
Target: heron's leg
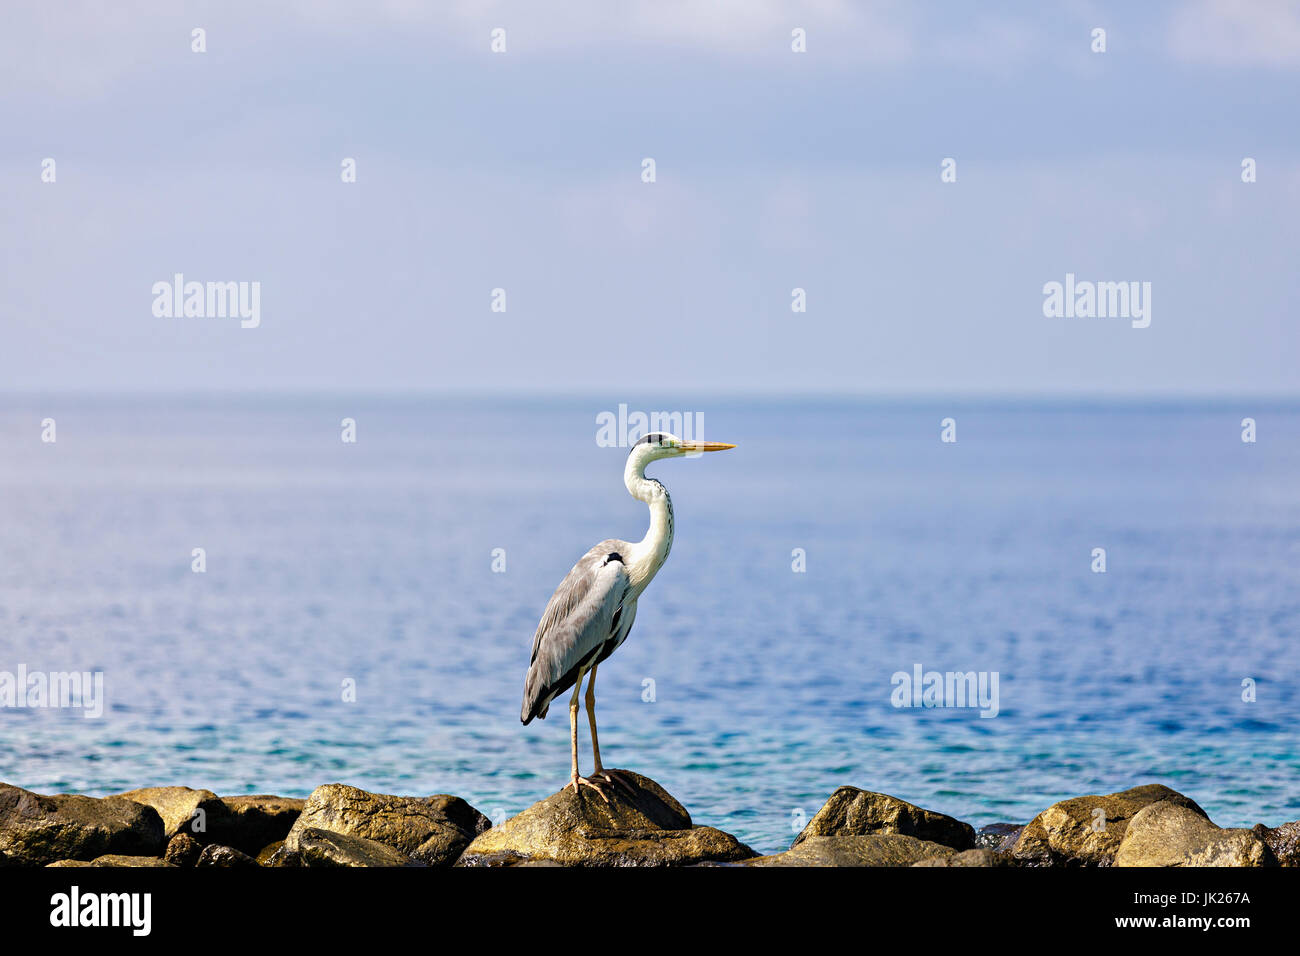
x,y
576,781
591,719
573,728
611,776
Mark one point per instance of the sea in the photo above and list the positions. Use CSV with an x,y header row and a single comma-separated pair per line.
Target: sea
x,y
271,607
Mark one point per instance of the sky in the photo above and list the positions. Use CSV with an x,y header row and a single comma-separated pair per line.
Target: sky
x,y
775,170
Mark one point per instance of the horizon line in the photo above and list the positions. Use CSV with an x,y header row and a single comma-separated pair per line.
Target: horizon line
x,y
553,394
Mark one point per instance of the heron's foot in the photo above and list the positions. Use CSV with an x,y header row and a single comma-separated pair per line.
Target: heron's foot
x,y
618,777
576,782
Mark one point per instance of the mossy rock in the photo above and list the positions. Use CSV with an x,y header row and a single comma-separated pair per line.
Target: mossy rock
x,y
645,828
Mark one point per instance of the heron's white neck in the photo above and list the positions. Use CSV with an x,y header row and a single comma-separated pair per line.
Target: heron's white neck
x,y
648,554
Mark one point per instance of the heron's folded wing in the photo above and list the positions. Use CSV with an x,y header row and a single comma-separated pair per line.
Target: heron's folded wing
x,y
574,627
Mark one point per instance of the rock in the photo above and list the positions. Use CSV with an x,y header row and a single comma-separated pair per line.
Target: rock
x,y
874,849
118,859
183,850
1234,848
1064,833
115,859
267,853
647,828
978,857
431,830
1171,834
309,846
1284,841
1000,837
36,829
854,812
215,855
278,855
252,822
195,812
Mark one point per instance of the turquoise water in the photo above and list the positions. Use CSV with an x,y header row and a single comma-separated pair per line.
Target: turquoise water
x,y
372,562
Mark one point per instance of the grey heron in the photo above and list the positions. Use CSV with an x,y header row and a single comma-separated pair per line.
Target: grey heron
x,y
591,612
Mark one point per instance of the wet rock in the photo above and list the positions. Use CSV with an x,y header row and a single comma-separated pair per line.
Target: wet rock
x,y
252,822
647,828
874,849
1233,848
1170,834
215,855
183,850
37,829
978,857
182,809
309,846
1000,837
854,812
278,855
1074,832
430,830
116,859
1284,841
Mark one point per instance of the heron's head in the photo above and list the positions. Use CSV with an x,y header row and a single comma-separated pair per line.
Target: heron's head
x,y
658,445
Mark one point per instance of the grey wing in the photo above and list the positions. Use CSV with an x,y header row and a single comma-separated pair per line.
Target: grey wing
x,y
582,617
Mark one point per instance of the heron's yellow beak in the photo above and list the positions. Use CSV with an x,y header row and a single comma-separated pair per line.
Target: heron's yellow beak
x,y
699,446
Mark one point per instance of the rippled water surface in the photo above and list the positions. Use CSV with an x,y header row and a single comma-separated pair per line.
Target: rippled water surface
x,y
372,562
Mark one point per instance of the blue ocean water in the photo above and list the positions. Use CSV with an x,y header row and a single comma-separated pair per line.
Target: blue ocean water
x,y
373,562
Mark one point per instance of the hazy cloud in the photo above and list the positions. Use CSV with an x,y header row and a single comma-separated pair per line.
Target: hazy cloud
x,y
1259,33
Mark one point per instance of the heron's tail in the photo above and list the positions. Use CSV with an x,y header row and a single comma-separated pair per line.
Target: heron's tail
x,y
534,704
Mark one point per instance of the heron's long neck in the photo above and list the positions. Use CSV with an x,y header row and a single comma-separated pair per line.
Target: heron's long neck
x,y
650,552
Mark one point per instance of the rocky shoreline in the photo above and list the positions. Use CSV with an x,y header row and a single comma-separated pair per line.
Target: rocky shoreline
x,y
339,825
